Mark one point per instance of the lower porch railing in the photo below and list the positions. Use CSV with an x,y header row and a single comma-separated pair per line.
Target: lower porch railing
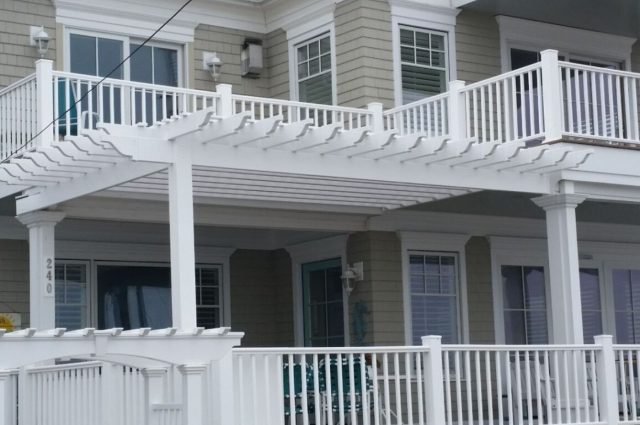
x,y
431,384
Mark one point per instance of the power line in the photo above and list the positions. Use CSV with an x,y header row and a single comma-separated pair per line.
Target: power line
x,y
99,82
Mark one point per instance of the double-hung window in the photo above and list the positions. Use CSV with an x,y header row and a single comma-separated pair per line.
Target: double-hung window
x,y
434,296
314,70
626,300
424,63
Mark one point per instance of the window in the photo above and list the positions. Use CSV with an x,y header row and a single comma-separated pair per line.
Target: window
x,y
209,296
424,63
133,296
626,300
323,303
314,70
95,55
71,295
591,304
525,309
434,296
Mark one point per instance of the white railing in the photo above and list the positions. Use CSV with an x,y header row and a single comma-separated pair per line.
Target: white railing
x,y
291,111
505,108
521,384
69,394
428,116
80,102
166,414
627,359
600,102
18,120
371,385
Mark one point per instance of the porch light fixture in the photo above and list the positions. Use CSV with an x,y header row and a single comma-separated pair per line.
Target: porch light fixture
x,y
212,63
40,39
354,273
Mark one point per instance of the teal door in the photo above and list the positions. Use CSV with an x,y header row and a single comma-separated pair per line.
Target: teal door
x,y
323,303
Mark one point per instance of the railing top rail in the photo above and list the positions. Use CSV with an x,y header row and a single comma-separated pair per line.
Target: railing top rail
x,y
17,84
411,105
295,103
134,84
503,76
627,347
579,66
68,366
562,347
332,350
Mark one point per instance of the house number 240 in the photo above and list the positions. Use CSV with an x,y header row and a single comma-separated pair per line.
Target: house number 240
x,y
48,277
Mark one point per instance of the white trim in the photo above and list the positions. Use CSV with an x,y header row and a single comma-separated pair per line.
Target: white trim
x,y
309,30
436,243
533,35
430,18
307,252
144,253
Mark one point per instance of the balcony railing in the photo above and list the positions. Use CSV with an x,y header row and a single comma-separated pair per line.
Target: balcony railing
x,y
549,100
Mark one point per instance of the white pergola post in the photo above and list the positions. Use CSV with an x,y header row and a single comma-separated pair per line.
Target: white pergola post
x,y
564,266
42,288
183,261
44,94
192,394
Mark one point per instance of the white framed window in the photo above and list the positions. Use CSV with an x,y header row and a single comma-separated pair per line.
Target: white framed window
x,y
72,294
97,54
626,304
435,304
434,286
424,50
130,272
424,63
312,64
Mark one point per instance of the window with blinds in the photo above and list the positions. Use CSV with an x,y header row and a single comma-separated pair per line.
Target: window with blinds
x,y
314,76
71,295
434,296
525,306
424,63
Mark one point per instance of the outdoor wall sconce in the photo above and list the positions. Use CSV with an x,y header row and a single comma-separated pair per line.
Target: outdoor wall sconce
x,y
40,39
213,64
354,273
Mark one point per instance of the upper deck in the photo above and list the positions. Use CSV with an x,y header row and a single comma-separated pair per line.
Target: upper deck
x,y
531,123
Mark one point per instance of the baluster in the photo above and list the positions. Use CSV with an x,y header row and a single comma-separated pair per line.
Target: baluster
x,y
487,374
499,109
527,375
537,378
569,96
329,391
479,387
447,387
602,106
458,373
498,362
491,116
316,389
407,368
419,387
340,384
540,109
396,372
292,392
532,118
566,384
387,395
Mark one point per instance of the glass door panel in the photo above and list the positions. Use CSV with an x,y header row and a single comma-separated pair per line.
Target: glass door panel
x,y
323,303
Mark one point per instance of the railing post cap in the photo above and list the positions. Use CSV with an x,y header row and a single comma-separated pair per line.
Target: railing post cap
x,y
44,62
224,87
549,53
375,105
431,339
457,83
603,338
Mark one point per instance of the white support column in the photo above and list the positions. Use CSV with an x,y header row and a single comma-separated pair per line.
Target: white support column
x,y
551,96
192,394
606,377
154,389
8,398
564,266
377,120
433,383
183,259
224,396
225,106
457,112
44,96
42,295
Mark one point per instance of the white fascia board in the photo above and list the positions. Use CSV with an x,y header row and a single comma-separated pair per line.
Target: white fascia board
x,y
435,11
524,33
141,18
296,18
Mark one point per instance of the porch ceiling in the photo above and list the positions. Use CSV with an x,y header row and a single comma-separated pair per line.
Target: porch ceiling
x,y
241,158
618,17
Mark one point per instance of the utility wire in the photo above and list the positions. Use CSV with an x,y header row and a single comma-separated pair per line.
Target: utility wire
x,y
94,87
